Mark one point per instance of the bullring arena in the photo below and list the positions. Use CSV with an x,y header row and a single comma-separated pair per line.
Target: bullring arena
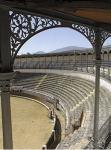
x,y
62,99
70,95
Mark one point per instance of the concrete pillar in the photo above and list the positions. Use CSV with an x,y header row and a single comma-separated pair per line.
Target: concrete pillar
x,y
5,76
97,49
6,110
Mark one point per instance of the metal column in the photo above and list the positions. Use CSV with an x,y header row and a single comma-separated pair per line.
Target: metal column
x,y
97,49
108,66
69,63
75,61
87,61
57,62
93,67
6,109
62,66
81,61
103,64
51,66
5,76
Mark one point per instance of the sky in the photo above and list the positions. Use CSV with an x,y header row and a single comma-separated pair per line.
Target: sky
x,y
56,38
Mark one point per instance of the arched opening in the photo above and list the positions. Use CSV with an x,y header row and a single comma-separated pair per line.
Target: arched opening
x,y
53,39
107,42
56,40
106,58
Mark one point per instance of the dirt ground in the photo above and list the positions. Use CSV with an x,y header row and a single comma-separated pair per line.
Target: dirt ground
x,y
30,124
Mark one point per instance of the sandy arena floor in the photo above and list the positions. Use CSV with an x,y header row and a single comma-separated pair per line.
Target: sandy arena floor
x,y
30,124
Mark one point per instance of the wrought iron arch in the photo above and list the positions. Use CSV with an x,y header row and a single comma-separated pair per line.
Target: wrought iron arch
x,y
24,26
89,33
104,36
86,31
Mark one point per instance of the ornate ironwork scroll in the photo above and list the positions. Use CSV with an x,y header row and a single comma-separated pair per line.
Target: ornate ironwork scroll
x,y
87,31
104,36
24,26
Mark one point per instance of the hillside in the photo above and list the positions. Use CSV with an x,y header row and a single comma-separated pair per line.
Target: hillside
x,y
68,48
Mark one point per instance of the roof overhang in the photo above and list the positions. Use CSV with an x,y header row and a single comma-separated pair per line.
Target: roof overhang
x,y
93,13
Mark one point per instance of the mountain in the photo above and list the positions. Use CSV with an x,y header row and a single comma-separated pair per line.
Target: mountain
x,y
67,49
40,52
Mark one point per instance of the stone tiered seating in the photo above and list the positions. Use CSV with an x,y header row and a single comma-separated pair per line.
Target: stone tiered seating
x,y
81,137
31,81
70,91
76,95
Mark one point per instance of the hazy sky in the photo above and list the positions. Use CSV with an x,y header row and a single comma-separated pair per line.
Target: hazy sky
x,y
54,39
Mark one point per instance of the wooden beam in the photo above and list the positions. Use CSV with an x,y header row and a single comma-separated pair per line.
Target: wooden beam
x,y
55,4
41,8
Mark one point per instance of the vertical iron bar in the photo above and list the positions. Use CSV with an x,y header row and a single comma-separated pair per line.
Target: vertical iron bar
x,y
81,61
108,66
97,49
87,61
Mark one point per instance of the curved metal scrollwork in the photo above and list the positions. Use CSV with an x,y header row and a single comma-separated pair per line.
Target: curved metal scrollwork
x,y
87,31
24,26
104,36
20,26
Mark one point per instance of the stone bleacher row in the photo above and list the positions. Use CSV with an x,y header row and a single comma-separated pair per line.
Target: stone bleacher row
x,y
76,95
